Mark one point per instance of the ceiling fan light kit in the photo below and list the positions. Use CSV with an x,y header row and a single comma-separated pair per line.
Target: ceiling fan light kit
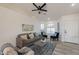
x,y
39,8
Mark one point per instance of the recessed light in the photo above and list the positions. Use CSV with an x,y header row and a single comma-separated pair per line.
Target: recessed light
x,y
73,4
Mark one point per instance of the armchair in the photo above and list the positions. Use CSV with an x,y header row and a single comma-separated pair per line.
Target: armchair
x,y
55,37
9,49
43,35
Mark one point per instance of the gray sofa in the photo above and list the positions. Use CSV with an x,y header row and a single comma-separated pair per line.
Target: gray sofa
x,y
26,40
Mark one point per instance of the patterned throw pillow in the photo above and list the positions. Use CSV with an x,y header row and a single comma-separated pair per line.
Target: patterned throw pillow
x,y
24,50
24,37
31,35
30,53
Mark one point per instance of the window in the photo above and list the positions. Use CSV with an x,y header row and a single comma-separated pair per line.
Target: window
x,y
42,26
50,28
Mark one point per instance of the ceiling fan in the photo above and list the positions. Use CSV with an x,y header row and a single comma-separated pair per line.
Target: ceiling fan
x,y
39,8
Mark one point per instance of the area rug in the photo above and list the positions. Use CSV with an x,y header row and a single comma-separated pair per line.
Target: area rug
x,y
47,49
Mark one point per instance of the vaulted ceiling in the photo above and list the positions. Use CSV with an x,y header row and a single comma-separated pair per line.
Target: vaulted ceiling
x,y
55,10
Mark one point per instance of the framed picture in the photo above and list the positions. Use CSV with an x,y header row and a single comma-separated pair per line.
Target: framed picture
x,y
26,27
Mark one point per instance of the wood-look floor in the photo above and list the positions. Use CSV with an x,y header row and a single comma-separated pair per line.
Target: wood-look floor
x,y
65,48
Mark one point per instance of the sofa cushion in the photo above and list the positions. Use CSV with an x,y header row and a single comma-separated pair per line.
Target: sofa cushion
x,y
9,51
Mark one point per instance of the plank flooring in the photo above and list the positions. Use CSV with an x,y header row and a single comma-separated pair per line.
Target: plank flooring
x,y
65,48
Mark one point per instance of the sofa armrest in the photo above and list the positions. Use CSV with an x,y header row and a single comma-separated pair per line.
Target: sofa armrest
x,y
20,42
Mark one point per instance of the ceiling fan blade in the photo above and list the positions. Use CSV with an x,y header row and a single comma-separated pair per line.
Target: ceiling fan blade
x,y
35,10
43,5
43,10
35,5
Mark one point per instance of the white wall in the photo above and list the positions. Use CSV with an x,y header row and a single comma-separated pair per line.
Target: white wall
x,y
69,28
11,25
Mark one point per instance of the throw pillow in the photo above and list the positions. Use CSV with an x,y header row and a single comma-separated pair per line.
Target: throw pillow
x,y
31,36
30,53
24,50
34,34
24,37
28,36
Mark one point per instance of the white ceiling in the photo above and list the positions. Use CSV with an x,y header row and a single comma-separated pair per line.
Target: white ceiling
x,y
55,10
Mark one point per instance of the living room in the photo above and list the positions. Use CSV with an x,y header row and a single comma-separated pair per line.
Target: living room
x,y
18,18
